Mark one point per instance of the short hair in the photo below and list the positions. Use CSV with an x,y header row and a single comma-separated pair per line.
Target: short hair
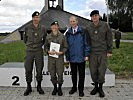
x,y
73,17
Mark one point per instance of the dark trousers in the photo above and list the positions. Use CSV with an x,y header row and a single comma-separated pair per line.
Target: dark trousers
x,y
56,69
80,68
36,56
117,43
98,66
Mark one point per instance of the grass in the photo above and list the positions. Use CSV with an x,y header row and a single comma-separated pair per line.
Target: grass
x,y
121,63
122,60
1,37
126,36
129,36
12,52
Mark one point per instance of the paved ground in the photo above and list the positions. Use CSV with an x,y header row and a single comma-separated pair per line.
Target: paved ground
x,y
127,41
122,91
131,41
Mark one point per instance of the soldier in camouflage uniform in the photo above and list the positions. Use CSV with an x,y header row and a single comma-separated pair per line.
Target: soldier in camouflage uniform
x,y
117,37
56,65
34,38
100,40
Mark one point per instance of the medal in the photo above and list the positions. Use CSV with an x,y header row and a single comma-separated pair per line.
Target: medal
x,y
95,32
35,34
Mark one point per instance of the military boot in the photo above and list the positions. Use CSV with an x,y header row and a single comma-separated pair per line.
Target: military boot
x,y
81,93
55,90
60,90
95,90
73,90
101,92
28,89
39,88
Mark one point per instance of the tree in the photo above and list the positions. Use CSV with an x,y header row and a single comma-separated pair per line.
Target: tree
x,y
123,11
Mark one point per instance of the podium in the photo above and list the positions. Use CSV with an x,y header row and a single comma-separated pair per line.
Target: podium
x,y
13,74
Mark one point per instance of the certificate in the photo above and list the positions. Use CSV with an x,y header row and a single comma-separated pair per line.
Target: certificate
x,y
54,47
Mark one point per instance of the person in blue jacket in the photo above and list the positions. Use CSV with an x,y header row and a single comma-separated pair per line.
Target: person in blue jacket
x,y
77,54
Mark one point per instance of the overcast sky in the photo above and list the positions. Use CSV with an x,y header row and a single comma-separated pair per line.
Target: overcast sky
x,y
15,13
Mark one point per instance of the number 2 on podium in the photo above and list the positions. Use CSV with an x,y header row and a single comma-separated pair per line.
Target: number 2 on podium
x,y
16,78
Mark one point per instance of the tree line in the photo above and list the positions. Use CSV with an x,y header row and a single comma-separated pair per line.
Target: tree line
x,y
121,14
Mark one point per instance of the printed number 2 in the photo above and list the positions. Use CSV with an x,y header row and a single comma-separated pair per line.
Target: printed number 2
x,y
16,80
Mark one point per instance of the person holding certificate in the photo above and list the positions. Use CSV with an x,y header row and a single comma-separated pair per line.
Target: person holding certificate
x,y
56,46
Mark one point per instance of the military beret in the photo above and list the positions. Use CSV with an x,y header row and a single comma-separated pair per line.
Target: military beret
x,y
54,23
36,13
94,12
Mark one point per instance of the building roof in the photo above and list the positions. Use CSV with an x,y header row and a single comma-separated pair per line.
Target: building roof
x,y
47,17
61,16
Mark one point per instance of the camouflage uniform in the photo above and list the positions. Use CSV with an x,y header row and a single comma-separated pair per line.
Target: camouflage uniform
x,y
117,38
56,65
100,40
34,39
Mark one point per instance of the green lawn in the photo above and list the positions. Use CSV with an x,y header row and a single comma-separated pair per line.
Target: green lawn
x,y
121,63
129,36
12,52
122,60
1,37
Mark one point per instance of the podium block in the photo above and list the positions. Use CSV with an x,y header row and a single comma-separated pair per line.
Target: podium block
x,y
66,76
13,74
109,78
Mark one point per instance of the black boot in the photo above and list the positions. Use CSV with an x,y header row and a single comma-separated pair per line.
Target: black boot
x,y
101,93
95,90
39,88
55,89
28,90
60,90
81,93
73,90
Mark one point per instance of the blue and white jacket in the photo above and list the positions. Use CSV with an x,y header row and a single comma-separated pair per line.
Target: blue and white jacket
x,y
77,45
